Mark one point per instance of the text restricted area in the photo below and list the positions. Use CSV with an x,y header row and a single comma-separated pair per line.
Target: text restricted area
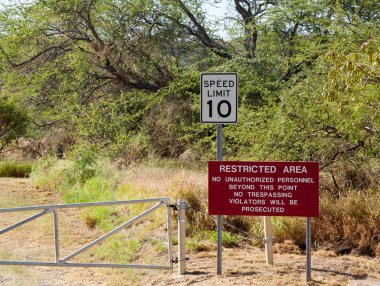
x,y
263,188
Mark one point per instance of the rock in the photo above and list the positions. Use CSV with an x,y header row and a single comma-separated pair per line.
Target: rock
x,y
342,250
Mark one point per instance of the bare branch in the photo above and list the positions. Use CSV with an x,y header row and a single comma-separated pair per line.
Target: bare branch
x,y
201,33
36,56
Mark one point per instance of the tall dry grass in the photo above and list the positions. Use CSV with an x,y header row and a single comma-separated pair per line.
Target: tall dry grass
x,y
350,222
192,190
17,169
349,219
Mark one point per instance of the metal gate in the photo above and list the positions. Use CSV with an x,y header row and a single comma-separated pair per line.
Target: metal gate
x,y
65,261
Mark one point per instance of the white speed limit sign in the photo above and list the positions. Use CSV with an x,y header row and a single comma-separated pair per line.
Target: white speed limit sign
x,y
219,97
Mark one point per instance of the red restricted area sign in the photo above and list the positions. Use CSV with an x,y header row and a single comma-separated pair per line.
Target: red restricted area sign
x,y
263,188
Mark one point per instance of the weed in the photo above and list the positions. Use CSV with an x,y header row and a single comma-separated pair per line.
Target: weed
x,y
350,219
193,244
118,249
228,239
289,228
104,217
158,245
94,189
84,163
206,240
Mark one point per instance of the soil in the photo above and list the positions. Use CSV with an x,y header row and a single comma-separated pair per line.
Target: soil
x,y
244,265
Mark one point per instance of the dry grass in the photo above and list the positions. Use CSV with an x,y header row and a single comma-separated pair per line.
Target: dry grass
x,y
241,266
350,220
192,189
288,246
17,169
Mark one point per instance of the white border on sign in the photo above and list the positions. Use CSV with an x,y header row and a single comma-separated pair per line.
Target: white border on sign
x,y
219,73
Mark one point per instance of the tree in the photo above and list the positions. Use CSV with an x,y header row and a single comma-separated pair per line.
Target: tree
x,y
66,58
13,123
108,71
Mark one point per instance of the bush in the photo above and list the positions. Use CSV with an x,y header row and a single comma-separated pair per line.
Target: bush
x,y
351,221
78,182
15,169
84,163
13,122
49,173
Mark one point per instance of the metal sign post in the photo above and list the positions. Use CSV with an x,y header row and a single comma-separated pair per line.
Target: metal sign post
x,y
219,102
308,249
181,237
219,218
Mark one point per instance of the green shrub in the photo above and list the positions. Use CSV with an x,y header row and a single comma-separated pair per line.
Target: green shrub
x,y
351,219
78,182
85,164
195,245
14,122
103,217
15,169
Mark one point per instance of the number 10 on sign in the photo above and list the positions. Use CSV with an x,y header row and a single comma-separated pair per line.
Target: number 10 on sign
x,y
219,97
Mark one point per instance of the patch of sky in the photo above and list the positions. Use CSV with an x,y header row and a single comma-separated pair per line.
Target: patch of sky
x,y
219,14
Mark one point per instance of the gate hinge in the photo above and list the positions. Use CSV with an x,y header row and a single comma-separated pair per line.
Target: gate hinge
x,y
174,206
176,260
268,239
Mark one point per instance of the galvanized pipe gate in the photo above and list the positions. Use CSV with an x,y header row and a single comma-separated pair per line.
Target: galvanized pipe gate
x,y
64,261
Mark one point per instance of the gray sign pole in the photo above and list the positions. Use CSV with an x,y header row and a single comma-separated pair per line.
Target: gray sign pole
x,y
219,219
308,249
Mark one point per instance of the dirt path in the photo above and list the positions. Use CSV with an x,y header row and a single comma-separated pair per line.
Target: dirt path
x,y
241,266
34,241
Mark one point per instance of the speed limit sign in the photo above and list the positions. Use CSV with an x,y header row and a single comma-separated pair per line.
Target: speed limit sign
x,y
219,97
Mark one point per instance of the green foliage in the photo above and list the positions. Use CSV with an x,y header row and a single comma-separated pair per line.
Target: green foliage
x,y
15,169
228,239
123,78
80,180
197,244
93,189
84,180
84,163
13,122
101,217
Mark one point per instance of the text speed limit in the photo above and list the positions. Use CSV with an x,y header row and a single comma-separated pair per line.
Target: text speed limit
x,y
219,97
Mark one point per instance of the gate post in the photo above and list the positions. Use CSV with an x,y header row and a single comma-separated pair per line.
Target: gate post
x,y
181,237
